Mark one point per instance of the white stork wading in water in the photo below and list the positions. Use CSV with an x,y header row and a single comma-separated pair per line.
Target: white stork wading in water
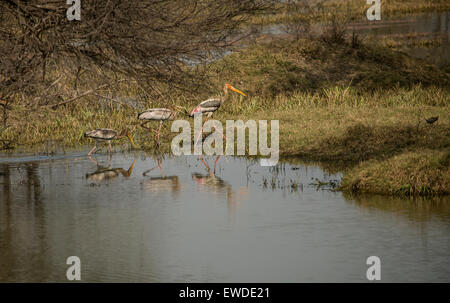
x,y
212,104
106,135
157,114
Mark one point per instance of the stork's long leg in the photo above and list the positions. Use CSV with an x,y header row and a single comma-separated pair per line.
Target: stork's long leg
x,y
148,171
215,163
160,169
93,160
223,136
159,133
143,126
144,123
204,163
201,130
110,148
92,150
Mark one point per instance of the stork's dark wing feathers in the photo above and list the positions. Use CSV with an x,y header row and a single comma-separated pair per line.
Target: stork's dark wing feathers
x,y
213,102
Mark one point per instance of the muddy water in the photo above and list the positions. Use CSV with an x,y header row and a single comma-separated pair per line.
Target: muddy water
x,y
140,219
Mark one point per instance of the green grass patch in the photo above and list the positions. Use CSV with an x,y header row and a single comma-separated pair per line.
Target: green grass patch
x,y
424,172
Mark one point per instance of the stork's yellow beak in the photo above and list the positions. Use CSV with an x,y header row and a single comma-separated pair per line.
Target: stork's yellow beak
x,y
237,91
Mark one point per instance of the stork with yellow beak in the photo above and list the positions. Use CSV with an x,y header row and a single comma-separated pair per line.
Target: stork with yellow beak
x,y
212,104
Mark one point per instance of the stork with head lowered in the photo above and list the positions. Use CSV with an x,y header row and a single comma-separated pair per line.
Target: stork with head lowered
x,y
107,135
157,114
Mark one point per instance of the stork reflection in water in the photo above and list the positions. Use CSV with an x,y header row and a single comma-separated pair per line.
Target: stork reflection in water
x,y
107,172
160,183
217,185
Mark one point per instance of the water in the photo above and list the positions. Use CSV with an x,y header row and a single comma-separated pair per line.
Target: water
x,y
133,221
429,26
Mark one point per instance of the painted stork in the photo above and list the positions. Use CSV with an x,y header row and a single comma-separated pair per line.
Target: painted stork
x,y
157,114
212,104
106,135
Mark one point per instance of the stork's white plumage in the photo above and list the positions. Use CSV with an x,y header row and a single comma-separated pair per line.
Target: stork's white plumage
x,y
157,114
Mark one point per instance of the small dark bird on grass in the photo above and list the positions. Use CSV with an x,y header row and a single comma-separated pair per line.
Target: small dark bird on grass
x,y
431,120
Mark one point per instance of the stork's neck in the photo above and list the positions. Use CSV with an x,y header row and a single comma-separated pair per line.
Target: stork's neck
x,y
225,95
129,171
122,134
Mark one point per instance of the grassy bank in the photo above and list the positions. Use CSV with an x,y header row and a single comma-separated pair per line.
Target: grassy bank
x,y
420,172
328,68
368,140
354,104
338,101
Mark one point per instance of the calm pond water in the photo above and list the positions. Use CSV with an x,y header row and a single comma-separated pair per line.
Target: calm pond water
x,y
133,221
